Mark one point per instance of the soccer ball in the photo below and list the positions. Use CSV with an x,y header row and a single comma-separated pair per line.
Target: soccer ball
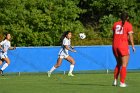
x,y
82,35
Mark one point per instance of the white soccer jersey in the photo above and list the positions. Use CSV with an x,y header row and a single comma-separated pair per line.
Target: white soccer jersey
x,y
5,45
63,51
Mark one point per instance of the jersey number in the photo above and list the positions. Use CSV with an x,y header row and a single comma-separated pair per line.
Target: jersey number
x,y
119,29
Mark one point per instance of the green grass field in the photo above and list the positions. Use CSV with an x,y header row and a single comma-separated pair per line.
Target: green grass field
x,y
59,83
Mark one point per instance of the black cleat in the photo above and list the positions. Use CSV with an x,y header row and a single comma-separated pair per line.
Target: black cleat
x,y
1,72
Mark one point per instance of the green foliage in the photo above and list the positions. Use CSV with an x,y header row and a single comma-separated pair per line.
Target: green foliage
x,y
106,22
101,14
39,22
42,22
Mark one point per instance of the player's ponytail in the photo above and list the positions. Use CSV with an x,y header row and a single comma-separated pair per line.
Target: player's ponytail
x,y
124,17
5,35
63,36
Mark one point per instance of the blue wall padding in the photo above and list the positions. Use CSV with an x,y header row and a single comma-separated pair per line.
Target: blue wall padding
x,y
41,59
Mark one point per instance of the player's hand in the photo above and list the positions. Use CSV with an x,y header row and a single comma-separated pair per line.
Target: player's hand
x,y
73,50
133,48
14,47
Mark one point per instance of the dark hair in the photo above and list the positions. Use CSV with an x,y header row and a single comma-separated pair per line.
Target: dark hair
x,y
123,17
5,35
63,36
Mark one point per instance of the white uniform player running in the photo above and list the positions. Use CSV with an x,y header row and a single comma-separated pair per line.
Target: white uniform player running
x,y
5,45
63,53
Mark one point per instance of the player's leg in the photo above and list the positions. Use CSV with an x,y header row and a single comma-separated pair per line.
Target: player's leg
x,y
123,70
117,69
71,60
1,72
0,62
7,62
1,58
118,65
59,62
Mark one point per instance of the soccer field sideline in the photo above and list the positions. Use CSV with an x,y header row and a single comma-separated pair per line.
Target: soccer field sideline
x,y
60,83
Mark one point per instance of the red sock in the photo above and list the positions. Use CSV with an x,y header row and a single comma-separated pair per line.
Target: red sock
x,y
116,71
123,74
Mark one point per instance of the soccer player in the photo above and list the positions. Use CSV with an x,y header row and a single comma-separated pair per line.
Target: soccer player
x,y
5,45
122,33
63,53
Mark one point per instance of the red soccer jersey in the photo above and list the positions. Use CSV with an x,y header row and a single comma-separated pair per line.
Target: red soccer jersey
x,y
121,33
120,38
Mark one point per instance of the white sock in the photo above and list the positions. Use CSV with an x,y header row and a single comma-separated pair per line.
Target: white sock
x,y
71,68
52,69
4,66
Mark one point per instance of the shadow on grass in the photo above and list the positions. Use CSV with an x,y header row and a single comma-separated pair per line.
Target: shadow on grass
x,y
85,84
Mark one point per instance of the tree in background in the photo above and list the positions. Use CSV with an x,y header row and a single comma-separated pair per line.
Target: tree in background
x,y
39,22
101,14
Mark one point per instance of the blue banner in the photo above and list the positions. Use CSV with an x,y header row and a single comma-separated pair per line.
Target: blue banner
x,y
41,59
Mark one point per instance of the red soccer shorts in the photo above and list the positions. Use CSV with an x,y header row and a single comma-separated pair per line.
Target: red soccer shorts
x,y
121,51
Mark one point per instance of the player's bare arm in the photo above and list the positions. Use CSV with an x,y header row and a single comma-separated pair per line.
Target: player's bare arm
x,y
132,41
67,47
12,48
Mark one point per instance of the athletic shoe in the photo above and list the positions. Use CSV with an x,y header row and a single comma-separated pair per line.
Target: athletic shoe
x,y
70,74
49,74
114,83
123,85
1,72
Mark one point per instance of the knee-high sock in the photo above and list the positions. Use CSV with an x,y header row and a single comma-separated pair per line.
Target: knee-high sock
x,y
71,68
4,66
52,69
123,74
116,72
